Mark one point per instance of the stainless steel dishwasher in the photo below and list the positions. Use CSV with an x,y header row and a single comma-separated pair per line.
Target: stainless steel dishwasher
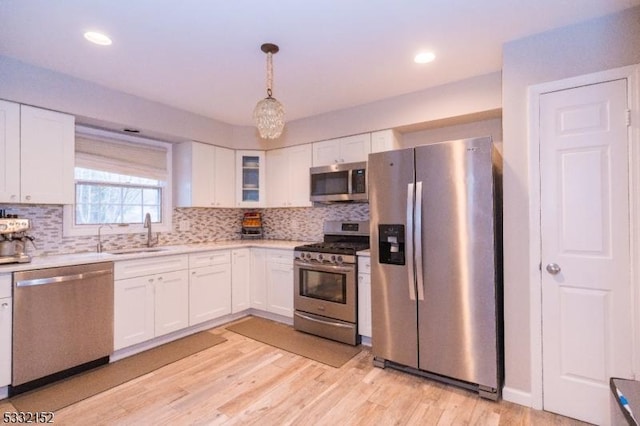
x,y
62,322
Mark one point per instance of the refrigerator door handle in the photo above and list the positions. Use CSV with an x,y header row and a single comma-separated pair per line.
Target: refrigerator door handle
x,y
417,237
409,243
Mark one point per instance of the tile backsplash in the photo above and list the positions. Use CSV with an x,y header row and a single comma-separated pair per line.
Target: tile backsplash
x,y
205,225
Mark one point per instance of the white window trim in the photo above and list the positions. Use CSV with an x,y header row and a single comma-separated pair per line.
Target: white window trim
x,y
70,229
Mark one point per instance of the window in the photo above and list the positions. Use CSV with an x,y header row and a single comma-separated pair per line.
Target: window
x,y
118,180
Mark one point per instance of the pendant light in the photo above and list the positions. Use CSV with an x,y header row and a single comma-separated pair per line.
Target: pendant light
x,y
269,112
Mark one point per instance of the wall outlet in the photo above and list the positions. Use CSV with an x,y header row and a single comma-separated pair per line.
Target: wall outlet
x,y
184,225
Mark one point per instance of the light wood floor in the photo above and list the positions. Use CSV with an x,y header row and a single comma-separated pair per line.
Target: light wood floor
x,y
246,382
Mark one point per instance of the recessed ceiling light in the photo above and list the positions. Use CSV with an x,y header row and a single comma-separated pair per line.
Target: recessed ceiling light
x,y
424,57
97,38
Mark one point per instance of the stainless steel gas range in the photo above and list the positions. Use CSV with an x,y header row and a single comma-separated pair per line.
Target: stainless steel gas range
x,y
325,283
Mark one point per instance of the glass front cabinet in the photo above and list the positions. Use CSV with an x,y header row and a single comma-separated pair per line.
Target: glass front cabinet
x,y
250,178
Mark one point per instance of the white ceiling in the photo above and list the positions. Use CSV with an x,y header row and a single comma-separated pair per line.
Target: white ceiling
x,y
204,56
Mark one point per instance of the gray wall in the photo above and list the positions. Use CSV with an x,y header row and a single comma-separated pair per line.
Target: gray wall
x,y
99,106
597,45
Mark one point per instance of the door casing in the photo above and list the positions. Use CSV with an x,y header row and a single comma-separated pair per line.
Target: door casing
x,y
632,74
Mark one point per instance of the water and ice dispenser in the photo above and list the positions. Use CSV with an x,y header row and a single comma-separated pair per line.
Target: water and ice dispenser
x,y
391,245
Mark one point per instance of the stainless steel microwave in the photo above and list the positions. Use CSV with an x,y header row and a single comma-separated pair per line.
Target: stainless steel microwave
x,y
339,182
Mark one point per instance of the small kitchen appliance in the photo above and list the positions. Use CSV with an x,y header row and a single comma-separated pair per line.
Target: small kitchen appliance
x,y
339,182
325,284
251,226
13,240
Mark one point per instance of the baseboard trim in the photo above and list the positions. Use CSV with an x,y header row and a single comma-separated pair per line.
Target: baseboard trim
x,y
517,396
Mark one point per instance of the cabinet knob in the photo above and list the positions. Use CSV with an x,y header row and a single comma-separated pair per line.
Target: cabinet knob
x,y
27,197
5,305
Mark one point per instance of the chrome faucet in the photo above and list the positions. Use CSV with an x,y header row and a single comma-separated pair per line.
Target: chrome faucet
x,y
147,224
99,246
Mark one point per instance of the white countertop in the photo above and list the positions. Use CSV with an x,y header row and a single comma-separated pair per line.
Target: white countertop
x,y
40,262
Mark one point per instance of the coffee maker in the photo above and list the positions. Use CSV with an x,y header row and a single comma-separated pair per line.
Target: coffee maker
x,y
13,240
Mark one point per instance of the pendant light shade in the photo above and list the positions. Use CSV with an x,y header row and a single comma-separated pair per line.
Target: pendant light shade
x,y
269,112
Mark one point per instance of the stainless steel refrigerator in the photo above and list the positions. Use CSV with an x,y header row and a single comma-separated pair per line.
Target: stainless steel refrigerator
x,y
436,262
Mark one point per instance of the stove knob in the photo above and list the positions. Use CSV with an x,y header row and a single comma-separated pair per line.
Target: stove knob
x,y
333,258
320,257
339,259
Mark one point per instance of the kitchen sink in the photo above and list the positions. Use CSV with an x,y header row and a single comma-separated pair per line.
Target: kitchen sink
x,y
136,250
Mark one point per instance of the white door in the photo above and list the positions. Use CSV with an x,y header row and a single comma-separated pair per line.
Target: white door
x,y
586,281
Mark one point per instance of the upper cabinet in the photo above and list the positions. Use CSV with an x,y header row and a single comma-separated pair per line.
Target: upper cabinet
x,y
342,150
385,140
203,175
34,143
250,179
288,176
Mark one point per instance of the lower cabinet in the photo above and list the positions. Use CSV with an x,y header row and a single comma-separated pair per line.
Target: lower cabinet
x,y
149,305
240,277
279,276
272,280
364,296
5,329
258,282
159,295
209,286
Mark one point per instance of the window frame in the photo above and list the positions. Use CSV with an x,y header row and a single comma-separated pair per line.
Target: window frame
x,y
69,227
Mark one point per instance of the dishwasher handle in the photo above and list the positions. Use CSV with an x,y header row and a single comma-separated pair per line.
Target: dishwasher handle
x,y
62,278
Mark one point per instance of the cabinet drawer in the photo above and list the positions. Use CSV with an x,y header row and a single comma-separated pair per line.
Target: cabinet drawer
x,y
364,264
5,285
280,256
209,258
148,266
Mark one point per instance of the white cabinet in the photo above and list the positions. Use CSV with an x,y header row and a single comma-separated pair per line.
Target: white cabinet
x,y
279,275
133,312
9,152
258,285
364,296
150,298
240,276
209,285
33,143
250,179
5,329
171,302
385,140
288,176
342,150
203,175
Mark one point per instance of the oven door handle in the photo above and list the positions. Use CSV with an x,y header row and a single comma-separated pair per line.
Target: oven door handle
x,y
324,268
332,323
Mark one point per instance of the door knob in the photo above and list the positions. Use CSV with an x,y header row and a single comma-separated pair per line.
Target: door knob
x,y
553,268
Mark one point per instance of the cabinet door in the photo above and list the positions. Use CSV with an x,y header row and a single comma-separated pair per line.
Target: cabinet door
x,y
9,152
326,152
209,293
202,175
47,144
278,178
385,140
280,289
171,302
225,189
250,178
355,148
133,311
240,275
299,181
5,341
364,305
258,282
